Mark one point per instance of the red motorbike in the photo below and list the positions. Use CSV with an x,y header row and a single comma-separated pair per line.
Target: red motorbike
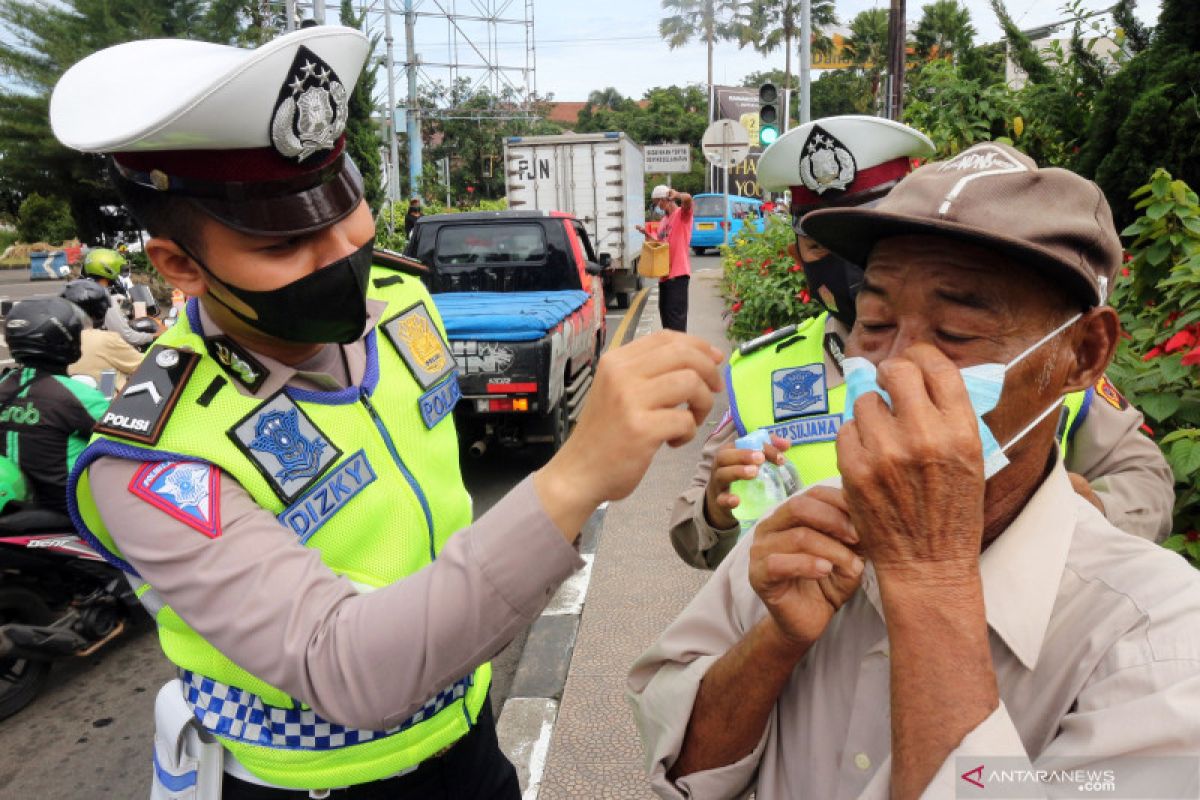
x,y
58,600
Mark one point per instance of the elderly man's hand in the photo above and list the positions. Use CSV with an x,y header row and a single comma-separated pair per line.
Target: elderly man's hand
x,y
801,564
913,474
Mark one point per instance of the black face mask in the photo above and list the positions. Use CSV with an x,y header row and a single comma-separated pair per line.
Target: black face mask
x,y
835,282
328,306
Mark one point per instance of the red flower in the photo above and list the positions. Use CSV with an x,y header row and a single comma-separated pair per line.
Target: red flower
x,y
1174,315
768,330
1185,338
1192,359
740,263
795,268
1153,354
1146,429
736,307
1124,272
1128,257
1193,536
804,296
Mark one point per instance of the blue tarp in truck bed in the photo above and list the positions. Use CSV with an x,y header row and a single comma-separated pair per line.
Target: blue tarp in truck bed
x,y
506,316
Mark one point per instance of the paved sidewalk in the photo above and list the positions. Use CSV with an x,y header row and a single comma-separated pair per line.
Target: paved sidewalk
x,y
638,585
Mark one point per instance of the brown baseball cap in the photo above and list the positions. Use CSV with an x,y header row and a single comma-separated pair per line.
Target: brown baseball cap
x,y
994,196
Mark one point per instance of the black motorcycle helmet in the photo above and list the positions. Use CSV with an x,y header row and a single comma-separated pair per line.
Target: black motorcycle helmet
x,y
90,296
44,332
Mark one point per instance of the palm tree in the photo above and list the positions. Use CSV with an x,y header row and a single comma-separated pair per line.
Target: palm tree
x,y
690,19
944,30
868,45
765,24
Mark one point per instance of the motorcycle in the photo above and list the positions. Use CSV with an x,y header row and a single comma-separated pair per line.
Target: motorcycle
x,y
58,600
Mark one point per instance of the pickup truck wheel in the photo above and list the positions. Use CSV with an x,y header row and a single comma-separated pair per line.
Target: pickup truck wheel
x,y
699,250
623,299
561,426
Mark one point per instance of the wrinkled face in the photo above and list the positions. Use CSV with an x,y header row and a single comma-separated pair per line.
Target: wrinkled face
x,y
974,306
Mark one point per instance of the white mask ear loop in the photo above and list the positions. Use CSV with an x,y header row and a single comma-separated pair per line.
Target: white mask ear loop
x,y
1031,426
1042,341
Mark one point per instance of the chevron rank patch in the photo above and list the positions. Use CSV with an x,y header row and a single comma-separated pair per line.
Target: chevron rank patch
x,y
415,336
285,445
1114,398
141,410
186,490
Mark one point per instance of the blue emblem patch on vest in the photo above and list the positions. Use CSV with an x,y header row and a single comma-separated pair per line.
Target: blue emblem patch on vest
x,y
798,390
809,430
438,402
318,505
288,449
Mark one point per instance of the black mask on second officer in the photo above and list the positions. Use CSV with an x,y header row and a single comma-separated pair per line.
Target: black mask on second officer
x,y
835,283
327,306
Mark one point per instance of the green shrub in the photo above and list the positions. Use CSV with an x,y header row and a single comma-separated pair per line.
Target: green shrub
x,y
44,219
1158,360
763,285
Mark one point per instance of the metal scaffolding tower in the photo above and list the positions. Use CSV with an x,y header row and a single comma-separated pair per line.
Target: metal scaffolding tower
x,y
473,44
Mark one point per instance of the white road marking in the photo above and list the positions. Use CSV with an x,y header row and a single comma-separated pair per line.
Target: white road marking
x,y
571,594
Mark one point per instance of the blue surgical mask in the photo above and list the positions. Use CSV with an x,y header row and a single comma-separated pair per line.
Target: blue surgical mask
x,y
984,382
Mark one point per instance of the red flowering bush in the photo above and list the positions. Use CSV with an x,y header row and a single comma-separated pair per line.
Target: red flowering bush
x,y
1158,361
763,285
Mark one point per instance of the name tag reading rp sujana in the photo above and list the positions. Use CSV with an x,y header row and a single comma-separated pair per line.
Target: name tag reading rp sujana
x,y
318,505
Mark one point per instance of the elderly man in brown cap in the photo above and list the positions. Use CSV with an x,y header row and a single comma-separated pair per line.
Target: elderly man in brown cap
x,y
949,616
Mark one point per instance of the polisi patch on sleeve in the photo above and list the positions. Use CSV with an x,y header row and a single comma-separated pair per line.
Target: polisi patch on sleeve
x,y
188,491
438,402
1105,388
142,409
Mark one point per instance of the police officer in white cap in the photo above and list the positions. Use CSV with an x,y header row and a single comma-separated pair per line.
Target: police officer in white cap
x,y
790,381
280,476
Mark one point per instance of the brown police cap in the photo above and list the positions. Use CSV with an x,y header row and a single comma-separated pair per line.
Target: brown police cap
x,y
994,196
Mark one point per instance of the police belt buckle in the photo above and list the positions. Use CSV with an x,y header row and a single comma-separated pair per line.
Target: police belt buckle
x,y
188,761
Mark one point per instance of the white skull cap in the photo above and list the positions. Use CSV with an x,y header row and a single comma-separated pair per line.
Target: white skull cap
x,y
180,94
833,161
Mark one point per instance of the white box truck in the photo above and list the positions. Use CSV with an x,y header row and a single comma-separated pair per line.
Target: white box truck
x,y
597,177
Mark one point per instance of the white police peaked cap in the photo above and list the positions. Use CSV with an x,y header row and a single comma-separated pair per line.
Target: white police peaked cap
x,y
845,160
254,137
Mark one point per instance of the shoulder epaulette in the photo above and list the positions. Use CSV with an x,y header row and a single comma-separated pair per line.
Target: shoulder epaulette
x,y
399,262
769,338
141,410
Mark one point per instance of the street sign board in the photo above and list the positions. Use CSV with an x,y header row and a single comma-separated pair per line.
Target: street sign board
x,y
726,143
666,158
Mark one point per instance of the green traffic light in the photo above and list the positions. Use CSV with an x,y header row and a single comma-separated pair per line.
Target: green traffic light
x,y
767,135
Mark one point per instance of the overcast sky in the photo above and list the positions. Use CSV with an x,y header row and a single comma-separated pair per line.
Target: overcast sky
x,y
587,44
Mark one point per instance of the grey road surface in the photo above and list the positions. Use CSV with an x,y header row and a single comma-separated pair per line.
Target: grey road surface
x,y
88,734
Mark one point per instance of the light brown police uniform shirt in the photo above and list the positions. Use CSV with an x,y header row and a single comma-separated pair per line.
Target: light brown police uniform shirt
x,y
1093,638
366,659
1125,468
103,350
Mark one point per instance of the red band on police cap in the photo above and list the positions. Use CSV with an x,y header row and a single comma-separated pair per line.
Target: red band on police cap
x,y
245,165
864,181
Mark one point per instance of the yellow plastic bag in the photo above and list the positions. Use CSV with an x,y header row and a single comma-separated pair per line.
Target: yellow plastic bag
x,y
655,261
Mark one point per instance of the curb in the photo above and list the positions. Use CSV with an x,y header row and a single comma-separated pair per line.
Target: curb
x,y
526,722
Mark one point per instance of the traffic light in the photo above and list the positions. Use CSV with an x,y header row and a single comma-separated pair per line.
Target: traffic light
x,y
768,114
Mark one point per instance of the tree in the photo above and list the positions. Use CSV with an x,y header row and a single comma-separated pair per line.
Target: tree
x,y
767,24
868,45
945,30
710,20
1020,48
44,219
841,91
363,142
1148,115
38,41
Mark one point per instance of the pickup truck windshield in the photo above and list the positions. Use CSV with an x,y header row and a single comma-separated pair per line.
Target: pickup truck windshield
x,y
709,207
500,257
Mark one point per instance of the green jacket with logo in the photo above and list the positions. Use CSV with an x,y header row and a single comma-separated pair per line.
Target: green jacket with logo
x,y
384,496
781,384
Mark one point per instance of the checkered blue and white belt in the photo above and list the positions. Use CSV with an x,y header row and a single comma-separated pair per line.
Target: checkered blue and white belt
x,y
237,714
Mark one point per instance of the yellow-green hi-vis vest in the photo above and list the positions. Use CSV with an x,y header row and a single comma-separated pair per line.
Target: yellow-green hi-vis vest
x,y
781,385
368,475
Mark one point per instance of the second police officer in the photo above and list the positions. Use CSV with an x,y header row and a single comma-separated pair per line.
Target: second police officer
x,y
280,477
790,381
